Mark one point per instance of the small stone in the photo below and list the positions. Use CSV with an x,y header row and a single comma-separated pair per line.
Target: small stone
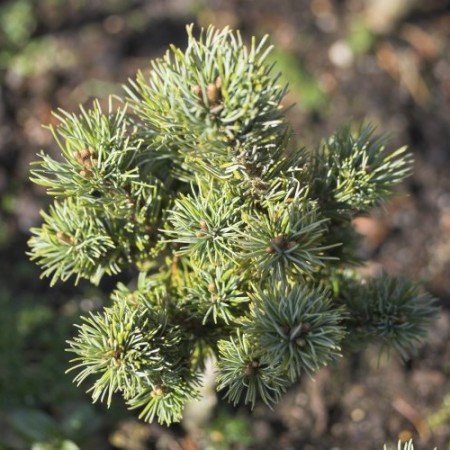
x,y
341,54
358,415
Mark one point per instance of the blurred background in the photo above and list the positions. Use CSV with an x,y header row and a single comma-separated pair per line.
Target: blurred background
x,y
383,60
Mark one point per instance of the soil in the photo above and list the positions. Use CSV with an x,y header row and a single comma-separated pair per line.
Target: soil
x,y
390,67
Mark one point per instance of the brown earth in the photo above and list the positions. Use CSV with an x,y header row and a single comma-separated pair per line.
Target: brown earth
x,y
387,61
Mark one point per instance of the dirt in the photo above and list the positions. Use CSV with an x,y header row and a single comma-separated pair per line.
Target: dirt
x,y
395,72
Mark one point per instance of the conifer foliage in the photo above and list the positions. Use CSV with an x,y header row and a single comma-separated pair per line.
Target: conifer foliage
x,y
241,242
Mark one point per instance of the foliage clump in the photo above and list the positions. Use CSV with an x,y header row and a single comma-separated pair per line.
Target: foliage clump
x,y
242,243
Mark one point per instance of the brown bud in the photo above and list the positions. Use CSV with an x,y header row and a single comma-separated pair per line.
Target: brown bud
x,y
117,353
212,288
251,369
402,319
94,162
63,237
218,82
212,93
157,392
300,342
149,229
88,164
279,241
86,173
85,154
270,249
200,234
131,298
203,225
197,90
306,327
291,244
78,157
259,184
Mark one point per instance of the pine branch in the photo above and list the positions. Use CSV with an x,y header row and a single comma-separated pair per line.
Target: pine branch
x,y
245,376
391,312
100,153
206,222
356,170
216,294
216,105
286,240
298,330
73,242
403,446
133,347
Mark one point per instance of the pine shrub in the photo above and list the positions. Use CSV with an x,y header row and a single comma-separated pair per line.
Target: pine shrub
x,y
240,242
